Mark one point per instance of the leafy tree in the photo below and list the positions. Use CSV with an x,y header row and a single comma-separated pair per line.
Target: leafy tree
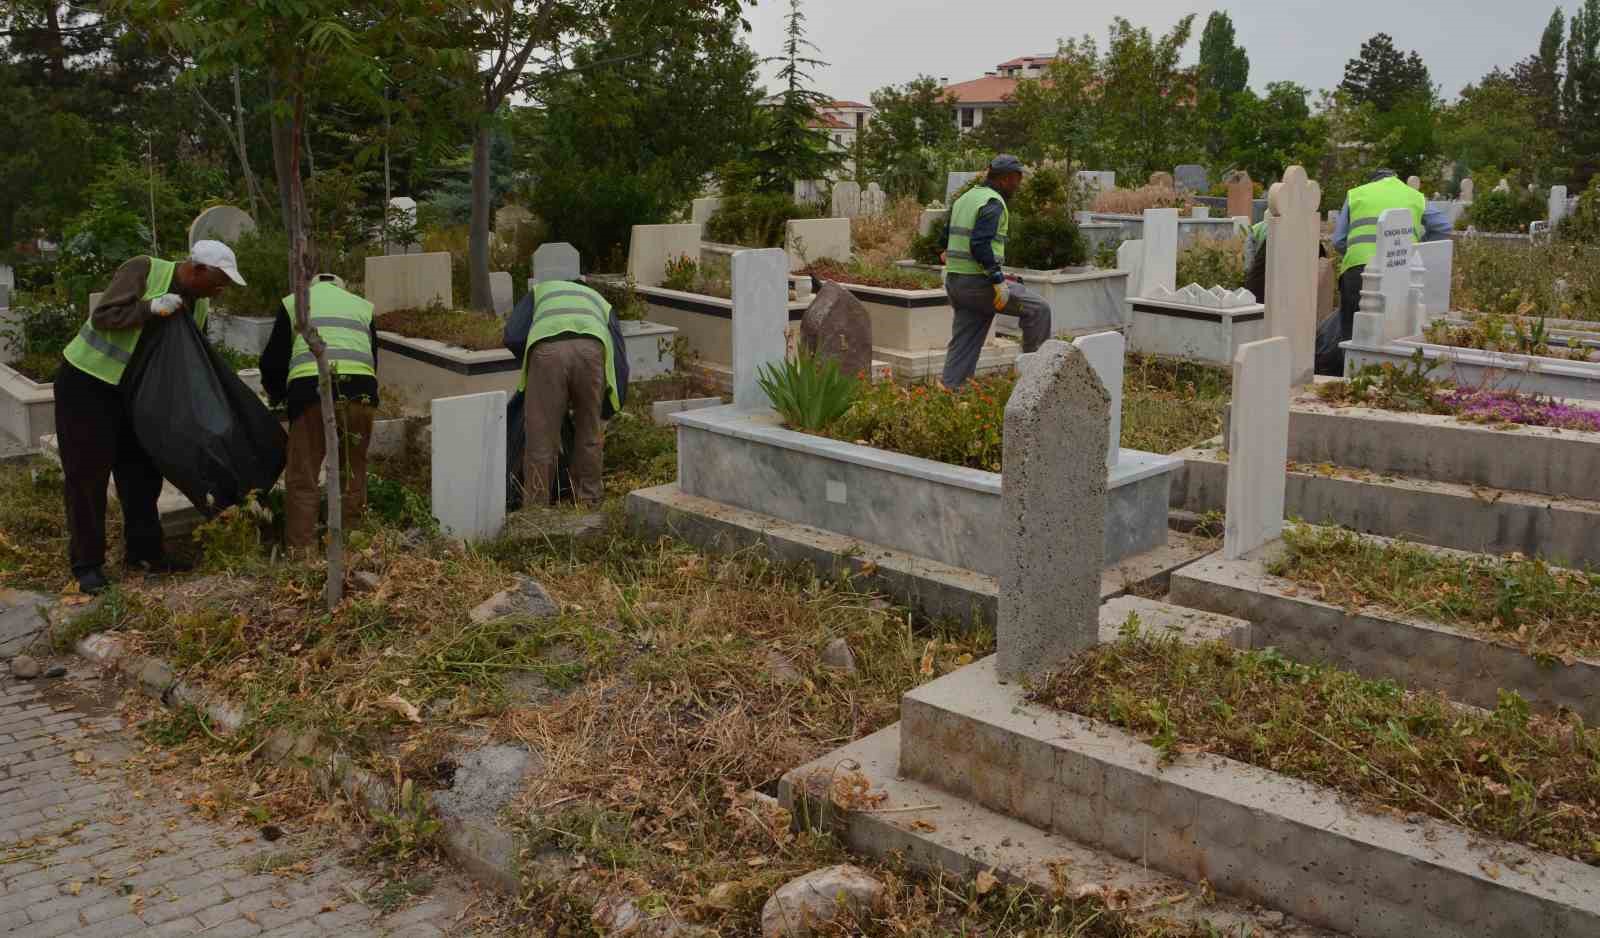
x,y
793,148
911,125
1580,93
1383,76
1496,125
1147,100
1267,133
1538,77
626,137
1224,73
1064,108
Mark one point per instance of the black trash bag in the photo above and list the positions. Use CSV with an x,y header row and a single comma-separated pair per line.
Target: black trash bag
x,y
210,436
1330,357
516,448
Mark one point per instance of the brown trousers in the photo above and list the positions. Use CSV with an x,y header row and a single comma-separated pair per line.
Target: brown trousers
x,y
307,448
566,372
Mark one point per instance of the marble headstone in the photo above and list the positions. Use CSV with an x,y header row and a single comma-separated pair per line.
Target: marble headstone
x,y
846,199
873,200
1192,177
1130,257
501,291
1557,205
221,223
556,261
1241,192
1258,446
760,318
954,183
1053,506
1106,352
1159,268
1294,228
1466,191
1389,272
469,465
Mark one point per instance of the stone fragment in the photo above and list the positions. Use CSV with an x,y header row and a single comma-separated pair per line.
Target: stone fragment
x,y
822,902
55,671
485,781
1258,446
22,619
366,581
839,656
1053,497
837,326
557,526
24,667
784,673
526,600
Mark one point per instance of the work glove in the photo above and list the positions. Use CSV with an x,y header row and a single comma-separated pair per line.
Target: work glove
x,y
165,306
1002,296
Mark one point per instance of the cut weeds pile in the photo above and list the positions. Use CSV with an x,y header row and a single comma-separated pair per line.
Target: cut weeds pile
x,y
1506,773
1545,610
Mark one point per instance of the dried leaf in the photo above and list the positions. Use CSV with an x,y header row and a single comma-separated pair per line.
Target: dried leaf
x,y
74,887
986,882
83,757
927,658
926,827
401,706
676,846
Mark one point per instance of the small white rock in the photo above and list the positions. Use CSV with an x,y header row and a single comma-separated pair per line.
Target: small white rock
x,y
821,898
24,667
839,656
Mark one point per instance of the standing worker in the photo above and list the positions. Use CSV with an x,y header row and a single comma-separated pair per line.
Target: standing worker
x,y
574,360
289,374
1355,234
977,287
93,428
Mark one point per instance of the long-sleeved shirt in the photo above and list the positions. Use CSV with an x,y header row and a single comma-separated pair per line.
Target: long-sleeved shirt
x,y
984,231
302,392
1436,226
122,305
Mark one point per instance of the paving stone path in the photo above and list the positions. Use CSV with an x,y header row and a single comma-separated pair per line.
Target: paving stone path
x,y
86,849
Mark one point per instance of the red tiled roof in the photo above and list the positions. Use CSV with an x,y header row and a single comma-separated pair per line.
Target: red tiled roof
x,y
990,89
830,122
1025,60
850,104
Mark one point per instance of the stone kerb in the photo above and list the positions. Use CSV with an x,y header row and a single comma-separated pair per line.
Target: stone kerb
x,y
556,261
1258,446
651,246
760,321
221,223
469,464
1293,232
1053,496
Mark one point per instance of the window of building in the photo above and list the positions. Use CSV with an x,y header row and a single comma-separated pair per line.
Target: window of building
x,y
861,120
966,118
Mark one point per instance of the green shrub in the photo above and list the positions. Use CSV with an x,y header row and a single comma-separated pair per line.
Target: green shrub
x,y
263,259
1583,225
397,505
37,334
1511,210
682,273
756,220
809,391
926,249
963,428
1212,262
1046,239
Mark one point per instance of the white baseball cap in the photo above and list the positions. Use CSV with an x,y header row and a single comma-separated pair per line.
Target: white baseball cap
x,y
218,255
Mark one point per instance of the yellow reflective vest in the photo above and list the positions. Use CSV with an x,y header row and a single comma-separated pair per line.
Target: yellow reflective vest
x,y
345,322
561,307
1369,202
963,217
105,353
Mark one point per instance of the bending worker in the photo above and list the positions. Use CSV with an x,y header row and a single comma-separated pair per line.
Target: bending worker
x,y
573,360
977,287
289,375
93,428
1355,235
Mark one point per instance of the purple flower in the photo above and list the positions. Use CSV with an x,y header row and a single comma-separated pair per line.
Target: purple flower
x,y
1511,407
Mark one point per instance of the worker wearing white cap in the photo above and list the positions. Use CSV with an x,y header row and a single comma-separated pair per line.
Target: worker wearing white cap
x,y
92,426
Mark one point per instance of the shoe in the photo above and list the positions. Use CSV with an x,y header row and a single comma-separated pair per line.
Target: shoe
x,y
158,566
93,583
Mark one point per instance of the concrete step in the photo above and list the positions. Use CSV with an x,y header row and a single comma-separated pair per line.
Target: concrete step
x,y
937,590
937,832
1414,652
1253,834
1446,514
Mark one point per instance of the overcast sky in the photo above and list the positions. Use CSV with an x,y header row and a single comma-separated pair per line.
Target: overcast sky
x,y
872,43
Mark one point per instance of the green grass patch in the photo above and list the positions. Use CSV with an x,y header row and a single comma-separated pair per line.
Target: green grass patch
x,y
1506,773
1543,609
890,276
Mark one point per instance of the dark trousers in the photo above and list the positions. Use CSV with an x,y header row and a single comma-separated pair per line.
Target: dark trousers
x,y
972,299
1330,358
97,444
308,446
565,373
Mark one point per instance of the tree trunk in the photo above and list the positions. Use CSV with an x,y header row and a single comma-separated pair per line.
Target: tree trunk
x,y
300,265
478,261
252,188
285,166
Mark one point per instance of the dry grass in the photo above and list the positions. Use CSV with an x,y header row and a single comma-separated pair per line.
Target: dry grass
x,y
1135,201
1506,773
877,240
466,329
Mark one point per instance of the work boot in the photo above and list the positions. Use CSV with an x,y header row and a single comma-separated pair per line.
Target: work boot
x,y
157,566
93,582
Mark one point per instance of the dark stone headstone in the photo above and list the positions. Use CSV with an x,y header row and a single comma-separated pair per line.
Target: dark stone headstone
x,y
837,326
1192,177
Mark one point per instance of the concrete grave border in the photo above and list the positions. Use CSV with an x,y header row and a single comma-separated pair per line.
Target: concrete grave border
x,y
1414,652
1531,374
27,408
1250,832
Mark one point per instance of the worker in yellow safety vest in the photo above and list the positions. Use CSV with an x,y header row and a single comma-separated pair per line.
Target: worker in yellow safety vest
x,y
1355,235
289,376
975,281
93,429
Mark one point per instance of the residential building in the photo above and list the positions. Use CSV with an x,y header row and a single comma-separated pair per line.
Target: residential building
x,y
973,100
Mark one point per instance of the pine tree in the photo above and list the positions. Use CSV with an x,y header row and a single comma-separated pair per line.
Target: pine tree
x,y
795,148
1224,72
1385,77
1580,95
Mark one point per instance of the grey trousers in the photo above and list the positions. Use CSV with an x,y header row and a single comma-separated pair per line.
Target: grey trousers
x,y
972,298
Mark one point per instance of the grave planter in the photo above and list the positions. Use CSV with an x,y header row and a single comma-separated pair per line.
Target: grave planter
x,y
424,369
706,324
27,407
1190,230
930,509
1467,367
1082,299
1198,333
